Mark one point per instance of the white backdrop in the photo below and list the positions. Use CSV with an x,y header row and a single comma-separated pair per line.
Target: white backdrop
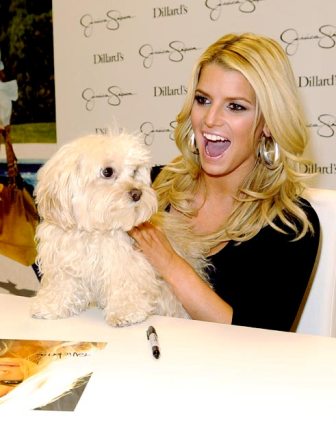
x,y
129,61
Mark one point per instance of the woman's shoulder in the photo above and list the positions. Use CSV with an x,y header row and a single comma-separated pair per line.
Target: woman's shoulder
x,y
286,234
310,212
312,218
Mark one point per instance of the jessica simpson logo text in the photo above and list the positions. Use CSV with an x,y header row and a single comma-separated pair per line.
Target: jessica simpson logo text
x,y
325,127
113,96
149,131
175,52
111,21
244,6
325,38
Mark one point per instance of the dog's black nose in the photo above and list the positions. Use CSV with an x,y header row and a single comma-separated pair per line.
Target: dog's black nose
x,y
135,194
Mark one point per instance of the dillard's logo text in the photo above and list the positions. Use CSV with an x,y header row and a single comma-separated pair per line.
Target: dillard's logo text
x,y
329,169
166,90
108,58
325,37
316,81
167,11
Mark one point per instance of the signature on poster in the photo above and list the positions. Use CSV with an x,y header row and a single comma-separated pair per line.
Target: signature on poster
x,y
244,6
111,20
113,96
325,37
149,131
325,126
176,52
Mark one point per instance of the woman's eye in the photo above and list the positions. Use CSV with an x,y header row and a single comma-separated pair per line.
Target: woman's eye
x,y
201,100
107,172
236,107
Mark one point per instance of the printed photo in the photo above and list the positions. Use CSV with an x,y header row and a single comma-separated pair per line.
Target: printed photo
x,y
27,87
28,170
42,374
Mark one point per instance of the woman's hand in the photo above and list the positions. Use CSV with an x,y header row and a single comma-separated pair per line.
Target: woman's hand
x,y
196,296
156,247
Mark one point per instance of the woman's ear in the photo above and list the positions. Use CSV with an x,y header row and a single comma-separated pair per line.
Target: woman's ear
x,y
266,131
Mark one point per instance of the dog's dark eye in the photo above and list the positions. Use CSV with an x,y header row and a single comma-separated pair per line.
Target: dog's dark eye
x,y
107,172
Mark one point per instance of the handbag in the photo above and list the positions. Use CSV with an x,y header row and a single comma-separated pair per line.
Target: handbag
x,y
18,214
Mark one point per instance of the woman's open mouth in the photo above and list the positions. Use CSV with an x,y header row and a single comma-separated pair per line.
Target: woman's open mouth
x,y
215,145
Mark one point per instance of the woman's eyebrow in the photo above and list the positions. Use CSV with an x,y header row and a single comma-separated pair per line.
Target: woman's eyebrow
x,y
199,91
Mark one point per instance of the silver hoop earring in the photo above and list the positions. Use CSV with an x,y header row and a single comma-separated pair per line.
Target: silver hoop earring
x,y
269,152
192,144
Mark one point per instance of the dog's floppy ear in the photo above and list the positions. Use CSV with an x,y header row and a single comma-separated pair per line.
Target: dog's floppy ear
x,y
56,184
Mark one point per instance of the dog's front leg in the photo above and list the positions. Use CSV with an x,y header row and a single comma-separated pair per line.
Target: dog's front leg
x,y
59,297
126,314
128,305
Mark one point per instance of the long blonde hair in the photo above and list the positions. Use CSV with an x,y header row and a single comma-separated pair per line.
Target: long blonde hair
x,y
264,194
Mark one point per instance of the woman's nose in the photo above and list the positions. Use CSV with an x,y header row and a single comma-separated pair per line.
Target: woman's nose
x,y
214,117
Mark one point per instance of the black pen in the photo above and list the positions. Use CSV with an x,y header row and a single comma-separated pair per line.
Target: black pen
x,y
153,339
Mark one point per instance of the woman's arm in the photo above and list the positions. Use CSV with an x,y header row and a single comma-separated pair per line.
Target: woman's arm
x,y
199,300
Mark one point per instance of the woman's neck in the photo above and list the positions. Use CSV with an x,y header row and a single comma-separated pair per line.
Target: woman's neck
x,y
213,205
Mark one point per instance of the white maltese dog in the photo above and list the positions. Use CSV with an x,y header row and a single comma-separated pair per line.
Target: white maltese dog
x,y
89,194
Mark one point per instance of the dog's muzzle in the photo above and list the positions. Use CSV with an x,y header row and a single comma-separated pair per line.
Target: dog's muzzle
x,y
135,194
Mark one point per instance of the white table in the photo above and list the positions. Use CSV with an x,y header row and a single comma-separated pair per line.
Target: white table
x,y
209,375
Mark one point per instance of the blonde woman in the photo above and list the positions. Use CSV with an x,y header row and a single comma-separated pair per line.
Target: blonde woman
x,y
238,181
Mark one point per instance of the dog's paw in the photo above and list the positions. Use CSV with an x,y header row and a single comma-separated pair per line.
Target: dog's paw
x,y
116,319
48,311
42,313
38,314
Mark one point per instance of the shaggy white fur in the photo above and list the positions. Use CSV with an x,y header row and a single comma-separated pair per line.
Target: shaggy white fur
x,y
89,194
